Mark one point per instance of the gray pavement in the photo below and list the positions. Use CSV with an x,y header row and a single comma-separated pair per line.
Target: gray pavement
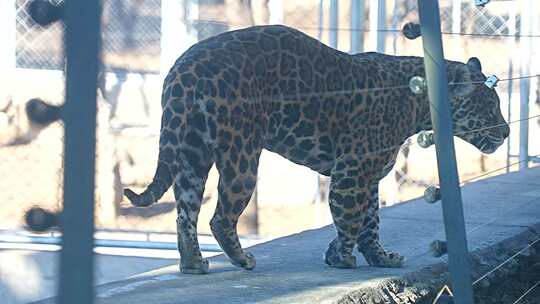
x,y
30,274
291,269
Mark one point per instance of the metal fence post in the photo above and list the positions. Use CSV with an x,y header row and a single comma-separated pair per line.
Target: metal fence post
x,y
525,83
377,24
456,16
275,8
177,32
333,31
357,26
511,25
452,205
321,20
82,39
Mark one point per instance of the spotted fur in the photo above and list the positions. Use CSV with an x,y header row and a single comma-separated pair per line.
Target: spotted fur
x,y
275,88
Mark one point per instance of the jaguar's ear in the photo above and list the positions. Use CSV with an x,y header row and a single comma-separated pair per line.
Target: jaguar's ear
x,y
462,85
475,64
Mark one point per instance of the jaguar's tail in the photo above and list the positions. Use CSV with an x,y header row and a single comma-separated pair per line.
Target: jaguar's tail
x,y
162,181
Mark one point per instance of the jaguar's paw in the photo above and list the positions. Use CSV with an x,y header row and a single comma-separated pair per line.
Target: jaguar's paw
x,y
200,267
385,260
334,258
247,261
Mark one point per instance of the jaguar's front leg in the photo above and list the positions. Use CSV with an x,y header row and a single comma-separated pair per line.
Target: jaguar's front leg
x,y
368,238
348,205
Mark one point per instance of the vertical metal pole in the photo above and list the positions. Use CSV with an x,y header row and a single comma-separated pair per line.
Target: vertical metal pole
x,y
276,11
535,60
381,27
333,32
456,16
82,39
357,26
395,20
452,205
8,29
511,25
321,19
373,34
525,83
176,33
377,24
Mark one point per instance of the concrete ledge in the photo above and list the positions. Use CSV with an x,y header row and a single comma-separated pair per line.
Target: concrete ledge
x,y
422,286
502,217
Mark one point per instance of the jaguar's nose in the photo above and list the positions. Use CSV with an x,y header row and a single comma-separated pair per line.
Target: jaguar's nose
x,y
505,131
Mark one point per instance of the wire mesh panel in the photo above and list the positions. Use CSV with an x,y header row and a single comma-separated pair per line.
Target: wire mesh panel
x,y
130,90
37,47
30,153
131,36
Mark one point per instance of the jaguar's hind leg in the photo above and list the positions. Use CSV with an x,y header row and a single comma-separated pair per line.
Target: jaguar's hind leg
x,y
188,191
368,239
238,176
348,208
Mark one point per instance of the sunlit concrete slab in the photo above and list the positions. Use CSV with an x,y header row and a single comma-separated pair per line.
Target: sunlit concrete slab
x,y
500,210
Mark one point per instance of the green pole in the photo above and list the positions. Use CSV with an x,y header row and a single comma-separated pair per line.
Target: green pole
x,y
82,40
452,205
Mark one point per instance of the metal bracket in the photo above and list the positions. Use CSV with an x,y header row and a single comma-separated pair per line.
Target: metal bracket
x,y
41,113
40,220
417,84
425,139
432,194
481,3
491,81
44,12
411,30
438,248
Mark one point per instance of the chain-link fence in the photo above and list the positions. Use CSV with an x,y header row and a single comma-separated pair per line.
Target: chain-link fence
x,y
37,47
130,33
141,39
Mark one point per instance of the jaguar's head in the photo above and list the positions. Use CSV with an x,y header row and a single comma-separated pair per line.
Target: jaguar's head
x,y
475,107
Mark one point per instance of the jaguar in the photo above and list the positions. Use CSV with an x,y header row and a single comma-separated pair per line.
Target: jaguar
x,y
345,116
